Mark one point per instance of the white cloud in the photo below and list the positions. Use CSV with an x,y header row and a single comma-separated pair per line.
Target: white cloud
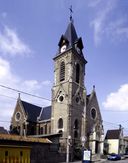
x,y
31,85
118,100
5,72
4,68
46,83
11,44
7,104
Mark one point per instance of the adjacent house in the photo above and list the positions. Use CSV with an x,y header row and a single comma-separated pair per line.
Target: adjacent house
x,y
114,142
126,144
14,148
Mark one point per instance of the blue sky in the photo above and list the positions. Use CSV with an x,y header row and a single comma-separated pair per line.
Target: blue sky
x,y
29,35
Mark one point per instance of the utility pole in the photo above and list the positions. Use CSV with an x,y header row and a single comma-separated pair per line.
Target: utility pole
x,y
68,145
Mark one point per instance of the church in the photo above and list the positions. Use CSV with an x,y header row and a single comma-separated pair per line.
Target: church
x,y
73,113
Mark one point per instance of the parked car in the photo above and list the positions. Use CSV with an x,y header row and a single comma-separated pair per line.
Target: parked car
x,y
114,156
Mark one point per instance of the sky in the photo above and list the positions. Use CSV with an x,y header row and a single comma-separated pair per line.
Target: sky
x,y
29,35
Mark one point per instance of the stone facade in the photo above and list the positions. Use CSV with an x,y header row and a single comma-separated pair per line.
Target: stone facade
x,y
73,113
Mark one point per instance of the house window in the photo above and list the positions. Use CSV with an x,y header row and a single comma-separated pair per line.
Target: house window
x,y
62,71
77,73
60,123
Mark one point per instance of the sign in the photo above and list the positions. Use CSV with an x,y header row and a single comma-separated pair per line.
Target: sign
x,y
87,155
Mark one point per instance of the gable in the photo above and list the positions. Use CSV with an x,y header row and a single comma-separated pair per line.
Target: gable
x,y
18,109
61,91
92,102
93,115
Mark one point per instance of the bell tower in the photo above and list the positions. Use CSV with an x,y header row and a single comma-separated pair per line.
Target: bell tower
x,y
68,92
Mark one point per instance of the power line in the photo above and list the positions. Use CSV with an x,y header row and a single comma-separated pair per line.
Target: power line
x,y
19,91
27,100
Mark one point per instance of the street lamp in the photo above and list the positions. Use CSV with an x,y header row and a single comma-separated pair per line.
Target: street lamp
x,y
83,140
68,145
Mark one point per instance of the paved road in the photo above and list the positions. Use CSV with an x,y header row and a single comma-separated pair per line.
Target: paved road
x,y
106,161
120,161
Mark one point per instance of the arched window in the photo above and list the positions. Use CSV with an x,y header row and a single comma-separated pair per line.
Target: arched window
x,y
76,124
62,71
75,134
93,113
77,73
60,123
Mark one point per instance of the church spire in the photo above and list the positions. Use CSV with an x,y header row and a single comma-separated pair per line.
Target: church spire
x,y
70,39
71,34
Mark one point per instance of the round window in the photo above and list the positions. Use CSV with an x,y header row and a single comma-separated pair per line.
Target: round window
x,y
18,115
93,113
61,98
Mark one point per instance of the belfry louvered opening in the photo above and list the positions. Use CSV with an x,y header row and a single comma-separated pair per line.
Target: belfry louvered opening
x,y
62,71
77,73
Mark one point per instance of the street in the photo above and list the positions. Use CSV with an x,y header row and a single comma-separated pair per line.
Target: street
x,y
120,161
107,161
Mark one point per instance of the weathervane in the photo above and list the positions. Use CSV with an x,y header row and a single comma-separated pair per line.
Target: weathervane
x,y
71,11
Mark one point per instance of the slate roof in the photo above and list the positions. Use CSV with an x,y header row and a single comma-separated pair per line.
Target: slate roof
x,y
32,111
71,34
46,113
113,134
3,131
87,99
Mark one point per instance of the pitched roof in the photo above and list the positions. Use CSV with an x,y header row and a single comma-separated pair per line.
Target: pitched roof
x,y
3,131
32,111
113,134
45,114
23,139
71,34
87,99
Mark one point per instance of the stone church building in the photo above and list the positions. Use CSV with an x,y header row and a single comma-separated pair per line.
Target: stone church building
x,y
73,113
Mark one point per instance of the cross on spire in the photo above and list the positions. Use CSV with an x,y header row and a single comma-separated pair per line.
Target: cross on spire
x,y
71,11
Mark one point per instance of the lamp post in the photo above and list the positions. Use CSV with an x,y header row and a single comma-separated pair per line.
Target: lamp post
x,y
83,140
68,145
